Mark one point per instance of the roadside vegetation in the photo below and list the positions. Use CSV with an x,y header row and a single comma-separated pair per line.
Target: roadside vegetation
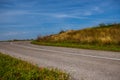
x,y
14,69
101,37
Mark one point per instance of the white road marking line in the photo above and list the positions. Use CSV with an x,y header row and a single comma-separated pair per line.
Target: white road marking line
x,y
67,52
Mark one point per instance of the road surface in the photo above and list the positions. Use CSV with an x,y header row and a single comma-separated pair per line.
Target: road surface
x,y
80,63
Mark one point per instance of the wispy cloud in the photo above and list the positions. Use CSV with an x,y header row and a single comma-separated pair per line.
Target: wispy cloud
x,y
67,16
14,33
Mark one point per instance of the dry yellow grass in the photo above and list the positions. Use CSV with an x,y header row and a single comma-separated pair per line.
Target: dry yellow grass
x,y
107,34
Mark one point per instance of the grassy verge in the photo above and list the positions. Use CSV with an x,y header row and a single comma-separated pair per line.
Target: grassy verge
x,y
14,69
79,45
102,37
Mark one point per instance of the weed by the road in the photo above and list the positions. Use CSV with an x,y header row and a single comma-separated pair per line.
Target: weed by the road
x,y
14,69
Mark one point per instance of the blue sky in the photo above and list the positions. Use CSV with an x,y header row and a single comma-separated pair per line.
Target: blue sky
x,y
26,19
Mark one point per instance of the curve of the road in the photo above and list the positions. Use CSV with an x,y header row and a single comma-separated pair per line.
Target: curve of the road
x,y
80,63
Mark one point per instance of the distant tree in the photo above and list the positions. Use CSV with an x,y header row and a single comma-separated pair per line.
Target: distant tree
x,y
39,37
102,25
15,40
62,31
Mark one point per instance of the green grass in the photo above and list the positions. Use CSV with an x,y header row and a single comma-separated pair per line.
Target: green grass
x,y
79,45
14,69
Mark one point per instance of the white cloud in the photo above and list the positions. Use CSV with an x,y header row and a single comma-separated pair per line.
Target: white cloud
x,y
68,16
14,33
61,15
88,13
14,12
97,9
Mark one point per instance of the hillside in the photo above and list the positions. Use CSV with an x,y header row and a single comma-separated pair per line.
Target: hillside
x,y
100,36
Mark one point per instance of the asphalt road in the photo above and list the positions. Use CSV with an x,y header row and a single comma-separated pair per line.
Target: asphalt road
x,y
80,63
